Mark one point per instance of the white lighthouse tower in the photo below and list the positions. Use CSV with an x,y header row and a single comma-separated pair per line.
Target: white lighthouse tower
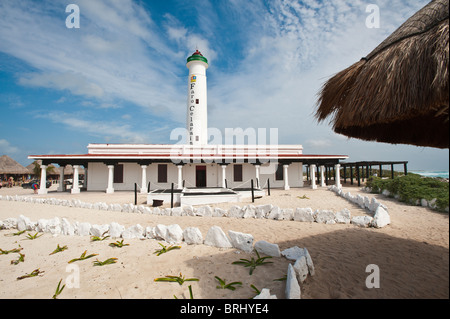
x,y
197,112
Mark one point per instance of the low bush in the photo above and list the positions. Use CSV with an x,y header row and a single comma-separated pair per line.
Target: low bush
x,y
412,188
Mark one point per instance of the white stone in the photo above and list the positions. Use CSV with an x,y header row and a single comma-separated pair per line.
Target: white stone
x,y
292,287
373,204
267,248
83,229
385,192
205,211
148,210
241,241
424,202
249,211
24,223
161,232
236,212
67,228
360,201
219,212
286,214
275,213
304,215
343,217
115,230
381,218
217,238
174,234
99,230
166,211
293,253
135,231
265,294
156,211
41,225
309,263
188,210
324,217
263,210
192,236
362,221
301,269
176,211
150,232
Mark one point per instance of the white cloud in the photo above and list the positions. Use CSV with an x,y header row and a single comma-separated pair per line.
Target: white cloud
x,y
7,148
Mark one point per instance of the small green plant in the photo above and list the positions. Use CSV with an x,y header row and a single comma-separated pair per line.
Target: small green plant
x,y
21,259
82,257
16,234
253,263
179,279
191,295
303,197
284,278
101,238
165,249
31,237
224,285
106,262
58,249
6,252
119,244
59,289
34,273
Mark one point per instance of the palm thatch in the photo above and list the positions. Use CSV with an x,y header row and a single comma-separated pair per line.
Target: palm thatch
x,y
399,93
11,167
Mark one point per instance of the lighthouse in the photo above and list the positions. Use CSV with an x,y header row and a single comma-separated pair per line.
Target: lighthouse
x,y
197,107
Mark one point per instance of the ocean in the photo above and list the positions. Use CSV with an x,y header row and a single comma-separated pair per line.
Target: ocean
x,y
442,174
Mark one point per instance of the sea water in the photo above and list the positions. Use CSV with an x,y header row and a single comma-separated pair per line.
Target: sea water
x,y
442,174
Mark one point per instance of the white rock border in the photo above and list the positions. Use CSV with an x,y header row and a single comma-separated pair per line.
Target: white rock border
x,y
267,211
173,234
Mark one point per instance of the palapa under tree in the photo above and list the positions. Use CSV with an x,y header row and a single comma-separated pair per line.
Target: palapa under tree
x,y
399,93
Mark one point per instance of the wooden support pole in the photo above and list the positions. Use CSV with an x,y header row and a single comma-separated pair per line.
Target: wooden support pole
x,y
135,194
268,187
392,171
253,192
351,175
405,168
357,175
171,196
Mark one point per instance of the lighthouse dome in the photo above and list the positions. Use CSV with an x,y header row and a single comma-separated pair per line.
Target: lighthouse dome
x,y
197,56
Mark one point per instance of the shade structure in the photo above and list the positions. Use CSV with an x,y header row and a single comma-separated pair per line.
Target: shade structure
x,y
399,93
10,166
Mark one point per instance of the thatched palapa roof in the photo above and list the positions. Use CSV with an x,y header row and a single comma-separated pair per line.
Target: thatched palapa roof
x,y
10,166
399,93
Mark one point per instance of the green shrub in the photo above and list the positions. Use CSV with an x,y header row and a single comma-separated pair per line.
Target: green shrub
x,y
412,188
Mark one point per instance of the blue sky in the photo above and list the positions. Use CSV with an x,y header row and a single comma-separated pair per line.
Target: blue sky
x,y
121,77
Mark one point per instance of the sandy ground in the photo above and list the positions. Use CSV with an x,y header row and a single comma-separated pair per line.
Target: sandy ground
x,y
412,253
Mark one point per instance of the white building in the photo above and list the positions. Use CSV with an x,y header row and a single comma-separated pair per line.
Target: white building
x,y
115,167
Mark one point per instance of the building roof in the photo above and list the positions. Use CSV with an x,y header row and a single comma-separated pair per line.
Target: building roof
x,y
10,166
399,93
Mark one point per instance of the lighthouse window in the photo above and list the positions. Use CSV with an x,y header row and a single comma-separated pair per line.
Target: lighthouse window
x,y
197,101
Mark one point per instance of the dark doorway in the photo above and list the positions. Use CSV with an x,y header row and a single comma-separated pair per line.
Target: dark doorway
x,y
200,176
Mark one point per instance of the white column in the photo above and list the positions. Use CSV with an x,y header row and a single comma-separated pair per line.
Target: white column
x,y
180,176
257,169
43,186
144,179
224,174
322,176
75,187
61,179
110,188
285,177
312,172
337,168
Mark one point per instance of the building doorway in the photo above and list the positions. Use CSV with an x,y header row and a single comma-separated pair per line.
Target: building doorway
x,y
200,176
